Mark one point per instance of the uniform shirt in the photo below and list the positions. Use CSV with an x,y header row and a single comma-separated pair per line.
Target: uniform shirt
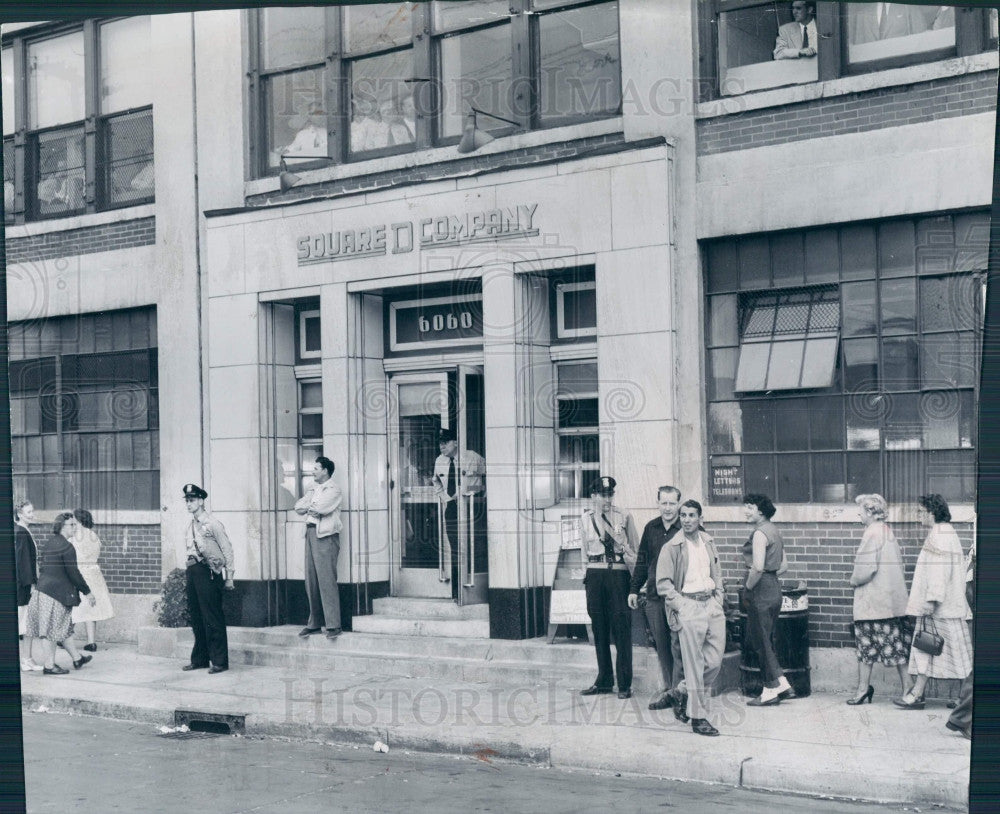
x,y
619,527
207,541
470,467
699,572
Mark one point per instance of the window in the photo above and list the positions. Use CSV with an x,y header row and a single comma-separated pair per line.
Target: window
x,y
355,82
576,309
577,420
844,360
749,45
48,172
309,386
309,335
84,411
310,428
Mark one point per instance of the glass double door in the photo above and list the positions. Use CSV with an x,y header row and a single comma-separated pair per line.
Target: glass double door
x,y
438,490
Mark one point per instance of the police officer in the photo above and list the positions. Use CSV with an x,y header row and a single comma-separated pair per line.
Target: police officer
x,y
209,572
609,549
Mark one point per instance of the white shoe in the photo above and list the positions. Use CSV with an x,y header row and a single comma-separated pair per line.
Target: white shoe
x,y
783,685
28,666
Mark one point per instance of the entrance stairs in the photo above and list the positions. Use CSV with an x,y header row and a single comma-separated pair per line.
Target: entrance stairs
x,y
422,638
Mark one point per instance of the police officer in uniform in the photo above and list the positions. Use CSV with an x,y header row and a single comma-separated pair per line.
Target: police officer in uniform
x,y
609,550
209,573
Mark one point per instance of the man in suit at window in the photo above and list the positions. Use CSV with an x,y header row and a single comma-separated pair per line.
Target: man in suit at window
x,y
870,22
798,39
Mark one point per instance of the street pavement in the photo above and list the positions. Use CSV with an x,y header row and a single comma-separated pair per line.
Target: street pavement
x,y
813,746
85,764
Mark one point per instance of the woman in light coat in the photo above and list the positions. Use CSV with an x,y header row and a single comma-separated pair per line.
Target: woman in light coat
x,y
938,594
88,550
879,598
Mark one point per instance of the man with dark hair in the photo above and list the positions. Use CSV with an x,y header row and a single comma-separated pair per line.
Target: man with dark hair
x,y
798,38
642,591
454,471
689,578
209,572
321,506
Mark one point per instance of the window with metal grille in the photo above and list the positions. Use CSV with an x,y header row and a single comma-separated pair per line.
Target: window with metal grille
x,y
68,168
789,340
357,81
84,411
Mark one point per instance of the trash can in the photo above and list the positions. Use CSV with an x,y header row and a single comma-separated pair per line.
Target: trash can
x,y
791,643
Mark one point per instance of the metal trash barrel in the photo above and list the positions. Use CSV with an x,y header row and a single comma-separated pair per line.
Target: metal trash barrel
x,y
791,644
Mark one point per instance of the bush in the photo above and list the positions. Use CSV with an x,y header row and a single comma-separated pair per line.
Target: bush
x,y
171,609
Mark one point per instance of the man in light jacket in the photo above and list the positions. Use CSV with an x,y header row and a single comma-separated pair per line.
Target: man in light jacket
x,y
321,506
689,578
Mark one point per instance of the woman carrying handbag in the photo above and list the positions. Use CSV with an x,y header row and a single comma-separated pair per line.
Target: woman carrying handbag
x,y
941,644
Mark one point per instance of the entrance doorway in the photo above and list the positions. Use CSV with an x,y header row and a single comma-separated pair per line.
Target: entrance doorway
x,y
438,493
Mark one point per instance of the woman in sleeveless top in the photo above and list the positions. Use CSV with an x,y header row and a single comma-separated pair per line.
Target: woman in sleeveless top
x,y
764,555
88,550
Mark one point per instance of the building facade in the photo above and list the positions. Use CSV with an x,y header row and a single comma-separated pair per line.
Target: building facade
x,y
588,237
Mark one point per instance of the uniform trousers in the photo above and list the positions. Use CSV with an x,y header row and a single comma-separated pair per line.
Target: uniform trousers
x,y
451,556
610,618
321,579
668,645
703,641
204,594
763,606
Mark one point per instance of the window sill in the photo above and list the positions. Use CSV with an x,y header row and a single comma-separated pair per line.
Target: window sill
x,y
777,97
437,155
43,227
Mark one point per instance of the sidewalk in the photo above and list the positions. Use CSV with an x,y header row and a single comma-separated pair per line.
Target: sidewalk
x,y
815,746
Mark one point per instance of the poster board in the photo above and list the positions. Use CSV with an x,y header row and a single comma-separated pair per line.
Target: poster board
x,y
568,600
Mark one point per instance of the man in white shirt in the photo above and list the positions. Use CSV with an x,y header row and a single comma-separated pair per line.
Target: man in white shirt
x,y
321,506
455,475
689,578
798,39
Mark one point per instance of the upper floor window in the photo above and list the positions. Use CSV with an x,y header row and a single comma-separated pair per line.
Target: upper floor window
x,y
354,82
750,45
77,140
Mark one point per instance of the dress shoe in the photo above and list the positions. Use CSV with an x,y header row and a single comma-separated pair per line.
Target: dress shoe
x,y
308,631
785,691
680,711
700,726
966,732
868,694
902,703
595,690
81,661
55,670
665,701
92,648
216,668
187,667
764,701
623,694
333,634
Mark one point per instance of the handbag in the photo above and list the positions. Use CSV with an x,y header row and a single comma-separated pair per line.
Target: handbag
x,y
928,641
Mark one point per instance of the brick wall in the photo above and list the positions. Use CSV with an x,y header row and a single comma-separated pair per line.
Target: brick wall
x,y
124,235
851,113
823,555
134,569
529,156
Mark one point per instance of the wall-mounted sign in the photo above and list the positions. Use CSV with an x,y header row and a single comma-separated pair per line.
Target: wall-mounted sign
x,y
439,322
433,232
727,479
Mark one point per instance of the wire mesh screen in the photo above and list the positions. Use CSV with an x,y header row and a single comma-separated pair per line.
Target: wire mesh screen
x,y
8,181
127,158
58,173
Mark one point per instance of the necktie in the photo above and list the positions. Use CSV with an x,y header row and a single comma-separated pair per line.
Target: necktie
x,y
805,36
451,477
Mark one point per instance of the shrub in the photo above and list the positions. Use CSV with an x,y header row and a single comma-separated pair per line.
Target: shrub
x,y
171,609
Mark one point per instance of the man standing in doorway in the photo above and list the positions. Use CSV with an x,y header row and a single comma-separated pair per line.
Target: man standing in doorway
x,y
608,544
321,506
689,578
451,472
209,572
658,531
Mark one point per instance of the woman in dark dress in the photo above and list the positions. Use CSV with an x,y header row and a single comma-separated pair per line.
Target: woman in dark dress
x,y
764,555
57,592
26,574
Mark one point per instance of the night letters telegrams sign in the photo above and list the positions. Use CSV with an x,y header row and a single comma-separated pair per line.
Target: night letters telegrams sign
x,y
399,238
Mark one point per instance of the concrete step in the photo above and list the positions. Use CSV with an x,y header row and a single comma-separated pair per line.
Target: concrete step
x,y
459,659
407,608
402,626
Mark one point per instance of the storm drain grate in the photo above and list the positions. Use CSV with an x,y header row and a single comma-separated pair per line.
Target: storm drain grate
x,y
210,723
186,736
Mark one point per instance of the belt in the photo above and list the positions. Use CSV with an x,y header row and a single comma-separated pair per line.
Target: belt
x,y
702,596
611,566
601,558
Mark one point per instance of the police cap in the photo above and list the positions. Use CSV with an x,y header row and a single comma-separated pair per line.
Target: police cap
x,y
603,486
194,490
